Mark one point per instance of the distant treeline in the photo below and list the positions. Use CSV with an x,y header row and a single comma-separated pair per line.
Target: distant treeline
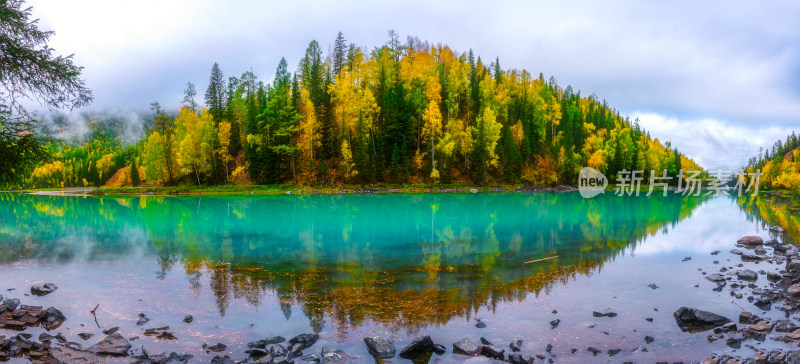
x,y
779,165
400,113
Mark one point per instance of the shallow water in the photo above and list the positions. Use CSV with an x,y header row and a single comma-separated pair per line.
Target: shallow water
x,y
353,266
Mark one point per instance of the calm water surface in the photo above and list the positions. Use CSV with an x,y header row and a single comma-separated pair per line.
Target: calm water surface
x,y
353,266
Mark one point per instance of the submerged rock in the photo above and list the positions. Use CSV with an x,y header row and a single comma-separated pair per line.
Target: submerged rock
x,y
516,345
716,278
215,348
188,319
380,348
44,289
604,314
695,320
554,323
466,347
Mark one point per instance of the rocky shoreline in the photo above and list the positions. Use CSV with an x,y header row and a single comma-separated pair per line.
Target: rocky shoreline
x,y
768,278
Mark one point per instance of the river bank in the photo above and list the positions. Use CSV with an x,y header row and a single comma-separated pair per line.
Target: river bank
x,y
236,190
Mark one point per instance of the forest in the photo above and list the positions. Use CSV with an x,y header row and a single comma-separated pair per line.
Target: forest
x,y
779,165
402,113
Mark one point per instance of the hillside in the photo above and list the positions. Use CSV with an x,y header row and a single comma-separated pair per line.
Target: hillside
x,y
399,113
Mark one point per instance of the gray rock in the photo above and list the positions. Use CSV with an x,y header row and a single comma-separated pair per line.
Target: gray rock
x,y
736,252
310,358
554,323
112,345
466,347
264,342
65,354
695,320
493,352
11,303
752,258
334,356
750,240
380,348
44,289
784,326
606,313
747,275
304,340
777,229
53,318
516,358
794,289
418,347
516,345
760,250
716,278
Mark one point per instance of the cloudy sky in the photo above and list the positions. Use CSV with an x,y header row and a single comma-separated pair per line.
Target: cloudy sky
x,y
718,79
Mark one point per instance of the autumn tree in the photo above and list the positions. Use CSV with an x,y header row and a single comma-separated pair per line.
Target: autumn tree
x,y
194,138
165,126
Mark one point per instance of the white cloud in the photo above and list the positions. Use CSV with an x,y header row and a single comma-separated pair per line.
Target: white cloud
x,y
730,66
711,143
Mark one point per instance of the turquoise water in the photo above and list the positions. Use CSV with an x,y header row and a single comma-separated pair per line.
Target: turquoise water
x,y
358,265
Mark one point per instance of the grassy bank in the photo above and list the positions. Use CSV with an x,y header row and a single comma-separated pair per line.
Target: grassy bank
x,y
193,190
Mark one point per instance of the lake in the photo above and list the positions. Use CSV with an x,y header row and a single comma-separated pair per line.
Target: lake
x,y
395,265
